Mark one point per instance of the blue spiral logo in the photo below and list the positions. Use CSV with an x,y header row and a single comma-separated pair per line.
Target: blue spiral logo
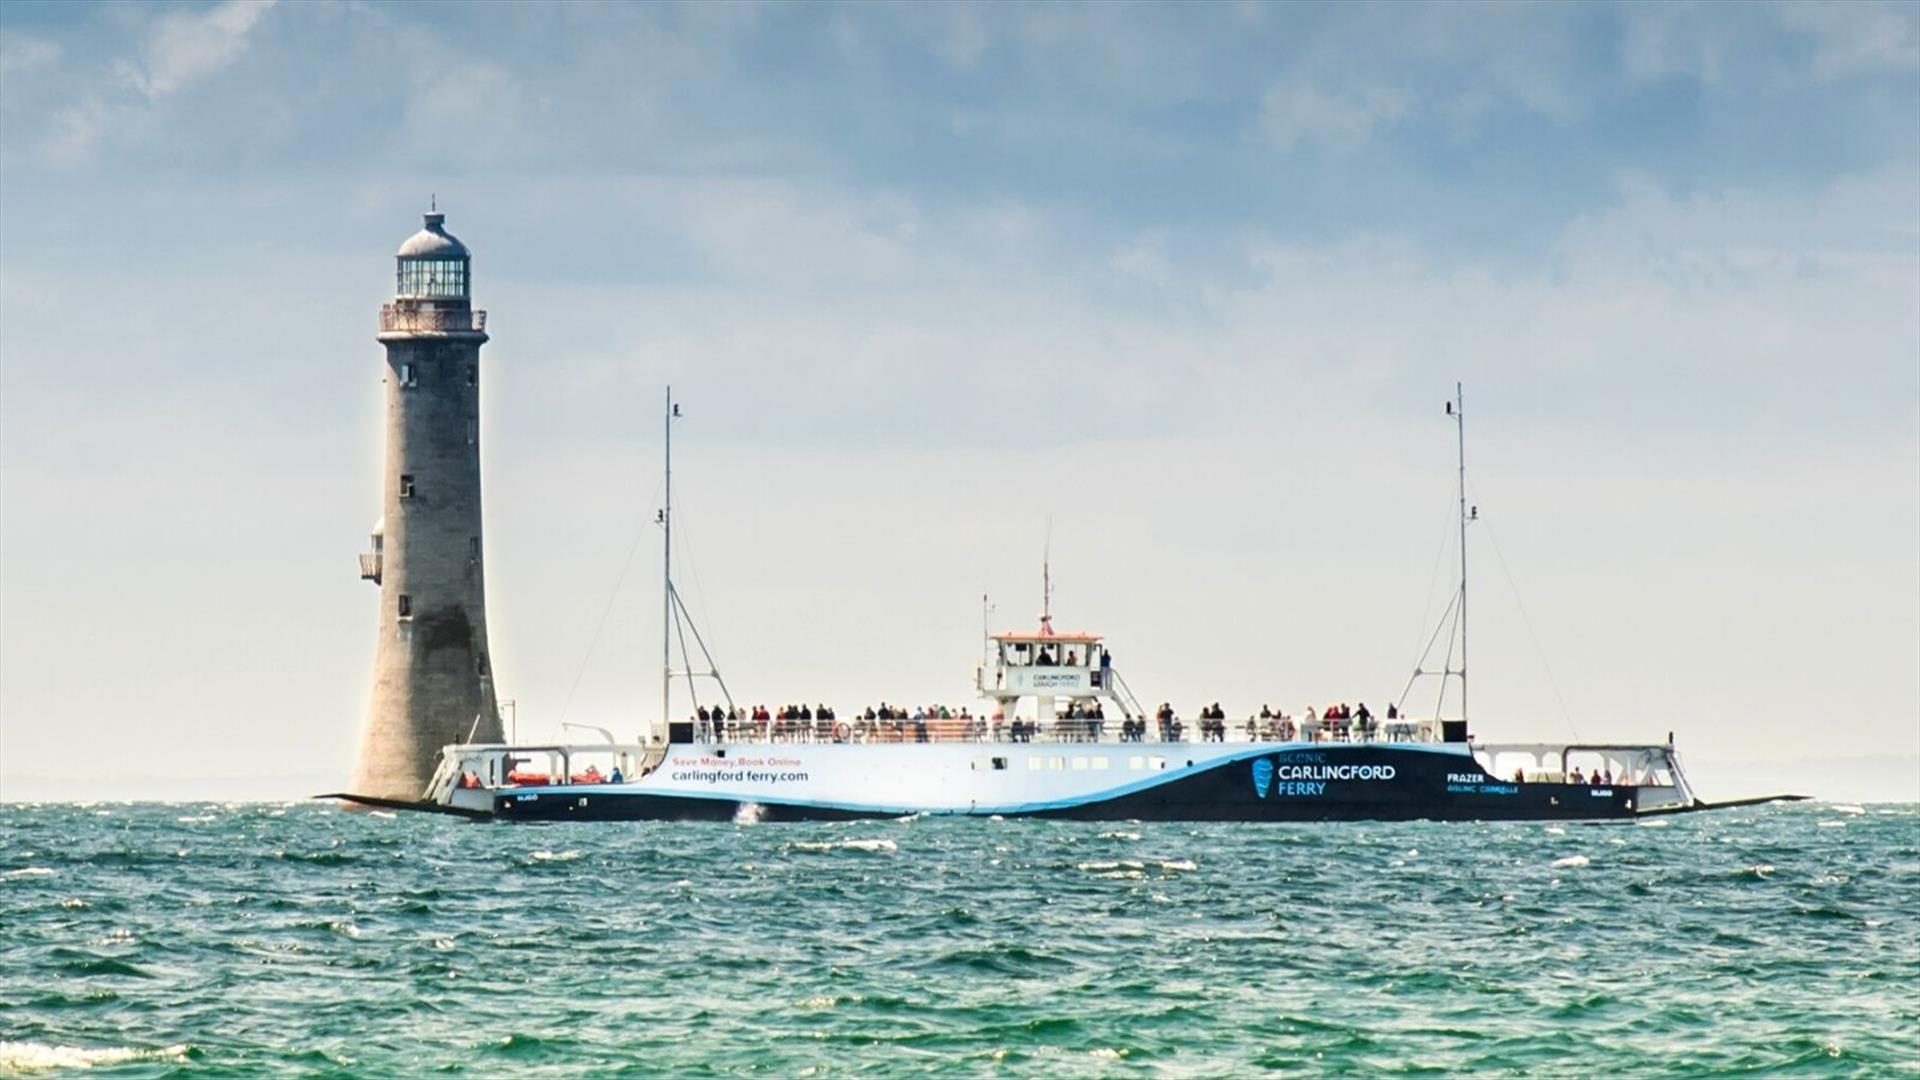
x,y
1262,776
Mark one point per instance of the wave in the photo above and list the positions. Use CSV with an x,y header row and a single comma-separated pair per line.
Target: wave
x,y
1570,862
858,844
25,1057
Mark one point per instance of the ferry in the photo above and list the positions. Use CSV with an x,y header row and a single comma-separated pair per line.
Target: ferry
x,y
1057,734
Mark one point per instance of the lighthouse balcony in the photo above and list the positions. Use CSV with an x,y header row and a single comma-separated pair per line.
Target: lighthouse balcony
x,y
370,567
415,316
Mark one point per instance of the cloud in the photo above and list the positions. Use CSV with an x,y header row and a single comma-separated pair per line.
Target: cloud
x,y
23,53
75,130
1857,39
1291,115
184,46
1673,39
177,49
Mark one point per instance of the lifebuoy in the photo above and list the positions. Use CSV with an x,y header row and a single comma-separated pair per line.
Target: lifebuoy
x,y
841,731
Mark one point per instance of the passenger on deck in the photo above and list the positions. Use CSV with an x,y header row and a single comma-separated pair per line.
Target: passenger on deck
x,y
1519,776
1577,777
1604,779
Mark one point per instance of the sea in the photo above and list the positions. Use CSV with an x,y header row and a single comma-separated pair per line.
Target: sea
x,y
298,939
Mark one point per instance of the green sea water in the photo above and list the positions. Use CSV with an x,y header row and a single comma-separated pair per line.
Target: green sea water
x,y
298,940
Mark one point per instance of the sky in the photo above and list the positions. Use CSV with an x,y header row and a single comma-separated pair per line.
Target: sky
x,y
1172,292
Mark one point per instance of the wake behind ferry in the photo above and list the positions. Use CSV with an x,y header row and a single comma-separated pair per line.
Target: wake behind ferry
x,y
1057,734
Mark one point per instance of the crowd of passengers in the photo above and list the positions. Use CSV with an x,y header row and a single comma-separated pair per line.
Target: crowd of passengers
x,y
1080,721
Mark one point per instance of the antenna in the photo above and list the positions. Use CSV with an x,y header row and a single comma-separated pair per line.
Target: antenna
x,y
1046,581
986,630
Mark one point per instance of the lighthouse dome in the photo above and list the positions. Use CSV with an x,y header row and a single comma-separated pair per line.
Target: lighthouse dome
x,y
433,242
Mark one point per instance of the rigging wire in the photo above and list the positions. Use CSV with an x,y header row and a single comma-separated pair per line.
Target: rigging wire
x,y
1439,557
620,579
686,546
1566,716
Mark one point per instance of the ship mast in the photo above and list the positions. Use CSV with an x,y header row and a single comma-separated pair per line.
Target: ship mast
x,y
1454,619
675,621
1459,410
666,571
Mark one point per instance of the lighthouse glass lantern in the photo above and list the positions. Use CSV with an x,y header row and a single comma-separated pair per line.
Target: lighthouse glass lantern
x,y
432,264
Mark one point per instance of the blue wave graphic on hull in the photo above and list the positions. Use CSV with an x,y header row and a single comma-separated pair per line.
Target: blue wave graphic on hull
x,y
1262,776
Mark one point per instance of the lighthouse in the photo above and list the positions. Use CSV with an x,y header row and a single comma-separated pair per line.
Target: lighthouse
x,y
432,676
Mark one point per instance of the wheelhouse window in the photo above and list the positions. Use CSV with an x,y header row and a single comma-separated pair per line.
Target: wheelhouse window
x,y
433,277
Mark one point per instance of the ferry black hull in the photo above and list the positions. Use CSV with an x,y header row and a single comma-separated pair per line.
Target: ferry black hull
x,y
1345,783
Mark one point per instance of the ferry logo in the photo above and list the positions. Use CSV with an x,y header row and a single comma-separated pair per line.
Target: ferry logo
x,y
1262,776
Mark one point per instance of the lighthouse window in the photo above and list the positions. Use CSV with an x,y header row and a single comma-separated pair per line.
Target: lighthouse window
x,y
409,375
473,431
406,485
406,606
473,375
473,549
433,277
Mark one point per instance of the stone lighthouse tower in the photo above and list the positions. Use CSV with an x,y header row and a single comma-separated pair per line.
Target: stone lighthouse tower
x,y
432,677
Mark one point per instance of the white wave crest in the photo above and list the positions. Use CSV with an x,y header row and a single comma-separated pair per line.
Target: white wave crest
x,y
848,845
555,856
25,1057
1571,862
29,871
